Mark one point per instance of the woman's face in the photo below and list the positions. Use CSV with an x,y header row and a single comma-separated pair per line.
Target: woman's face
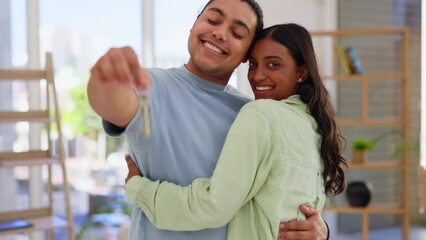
x,y
273,72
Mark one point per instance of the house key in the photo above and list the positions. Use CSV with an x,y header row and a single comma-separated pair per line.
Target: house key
x,y
144,105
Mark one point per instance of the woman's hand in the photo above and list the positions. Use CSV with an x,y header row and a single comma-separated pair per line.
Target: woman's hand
x,y
133,169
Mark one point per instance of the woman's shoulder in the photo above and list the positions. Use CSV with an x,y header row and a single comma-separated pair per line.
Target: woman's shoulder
x,y
270,105
262,103
273,111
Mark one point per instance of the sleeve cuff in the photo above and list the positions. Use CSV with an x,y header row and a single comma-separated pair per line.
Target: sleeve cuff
x,y
111,129
141,192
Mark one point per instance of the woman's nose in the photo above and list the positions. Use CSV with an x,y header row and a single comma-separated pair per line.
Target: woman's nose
x,y
258,75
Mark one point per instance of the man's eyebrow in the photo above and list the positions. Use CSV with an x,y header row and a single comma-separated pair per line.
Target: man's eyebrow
x,y
243,24
238,22
217,10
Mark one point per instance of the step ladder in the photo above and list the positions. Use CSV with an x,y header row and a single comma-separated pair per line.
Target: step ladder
x,y
50,156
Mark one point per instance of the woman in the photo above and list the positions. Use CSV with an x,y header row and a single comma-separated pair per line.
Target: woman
x,y
281,151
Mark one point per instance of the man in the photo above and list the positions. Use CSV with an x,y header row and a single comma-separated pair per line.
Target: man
x,y
191,109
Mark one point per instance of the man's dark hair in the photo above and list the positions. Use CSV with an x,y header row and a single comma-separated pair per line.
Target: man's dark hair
x,y
256,9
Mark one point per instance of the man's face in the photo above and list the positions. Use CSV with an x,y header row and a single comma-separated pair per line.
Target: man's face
x,y
220,39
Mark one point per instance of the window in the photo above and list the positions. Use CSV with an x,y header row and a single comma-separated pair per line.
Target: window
x,y
423,91
173,21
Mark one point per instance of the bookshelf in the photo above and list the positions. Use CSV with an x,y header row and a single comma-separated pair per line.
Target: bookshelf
x,y
362,118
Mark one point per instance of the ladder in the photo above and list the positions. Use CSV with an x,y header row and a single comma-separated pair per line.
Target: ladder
x,y
49,155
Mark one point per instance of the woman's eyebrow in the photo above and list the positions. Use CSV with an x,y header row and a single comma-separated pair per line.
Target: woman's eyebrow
x,y
272,57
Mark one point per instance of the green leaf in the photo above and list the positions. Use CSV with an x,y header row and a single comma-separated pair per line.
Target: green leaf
x,y
362,144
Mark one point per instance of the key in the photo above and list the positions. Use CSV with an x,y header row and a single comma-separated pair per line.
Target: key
x,y
143,104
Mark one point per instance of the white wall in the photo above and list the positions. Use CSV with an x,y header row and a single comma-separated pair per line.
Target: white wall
x,y
312,14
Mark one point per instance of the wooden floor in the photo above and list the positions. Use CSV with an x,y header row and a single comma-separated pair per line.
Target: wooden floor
x,y
416,233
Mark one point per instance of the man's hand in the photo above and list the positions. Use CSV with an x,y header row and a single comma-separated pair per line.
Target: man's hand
x,y
121,65
133,169
110,87
313,228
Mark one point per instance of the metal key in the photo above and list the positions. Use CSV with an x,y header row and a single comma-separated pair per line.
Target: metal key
x,y
144,105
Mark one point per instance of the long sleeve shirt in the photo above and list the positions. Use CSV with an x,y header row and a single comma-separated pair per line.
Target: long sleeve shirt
x,y
269,165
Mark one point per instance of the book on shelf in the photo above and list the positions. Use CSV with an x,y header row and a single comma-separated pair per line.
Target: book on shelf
x,y
14,224
353,60
349,60
344,63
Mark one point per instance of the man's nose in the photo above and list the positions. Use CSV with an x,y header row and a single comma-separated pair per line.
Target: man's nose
x,y
220,33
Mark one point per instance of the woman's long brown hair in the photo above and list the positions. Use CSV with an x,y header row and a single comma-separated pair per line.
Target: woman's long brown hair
x,y
312,91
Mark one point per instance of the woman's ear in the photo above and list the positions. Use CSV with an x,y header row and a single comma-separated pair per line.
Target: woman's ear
x,y
303,73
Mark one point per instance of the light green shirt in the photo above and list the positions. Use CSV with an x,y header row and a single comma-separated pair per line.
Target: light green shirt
x,y
269,165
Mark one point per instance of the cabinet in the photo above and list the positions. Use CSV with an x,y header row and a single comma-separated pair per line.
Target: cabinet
x,y
41,150
376,99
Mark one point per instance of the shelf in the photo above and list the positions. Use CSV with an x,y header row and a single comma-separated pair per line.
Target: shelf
x,y
360,91
14,159
28,116
379,165
23,75
361,32
41,219
372,209
370,122
39,224
357,77
28,162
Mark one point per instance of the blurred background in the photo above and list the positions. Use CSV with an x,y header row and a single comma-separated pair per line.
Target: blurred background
x,y
78,32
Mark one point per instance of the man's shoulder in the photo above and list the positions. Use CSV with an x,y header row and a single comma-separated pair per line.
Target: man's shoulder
x,y
162,72
238,94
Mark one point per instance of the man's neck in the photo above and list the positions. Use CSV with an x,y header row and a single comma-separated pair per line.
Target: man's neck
x,y
218,79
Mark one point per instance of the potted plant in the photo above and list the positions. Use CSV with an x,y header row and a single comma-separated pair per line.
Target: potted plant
x,y
359,148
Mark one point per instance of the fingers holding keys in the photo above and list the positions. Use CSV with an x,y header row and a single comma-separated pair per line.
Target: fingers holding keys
x,y
121,65
133,169
108,67
141,78
102,70
110,87
121,62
